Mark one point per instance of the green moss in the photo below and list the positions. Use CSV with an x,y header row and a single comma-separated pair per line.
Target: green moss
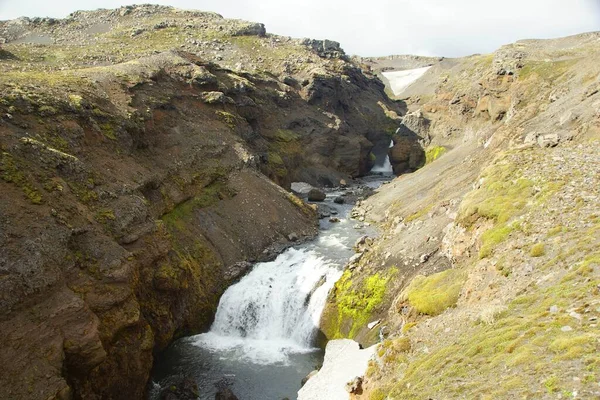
x,y
108,131
276,164
84,191
355,304
433,153
435,293
228,118
75,101
46,111
104,215
551,384
209,195
537,250
12,173
285,148
286,135
372,157
304,207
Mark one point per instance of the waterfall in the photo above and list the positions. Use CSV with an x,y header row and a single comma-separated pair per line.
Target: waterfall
x,y
275,310
385,167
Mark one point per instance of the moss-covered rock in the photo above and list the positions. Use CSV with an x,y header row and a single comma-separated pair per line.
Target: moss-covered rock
x,y
353,304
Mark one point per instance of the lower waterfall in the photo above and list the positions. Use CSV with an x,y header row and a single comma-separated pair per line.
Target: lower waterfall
x,y
275,309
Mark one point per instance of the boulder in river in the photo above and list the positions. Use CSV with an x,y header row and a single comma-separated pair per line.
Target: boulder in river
x,y
325,211
339,200
316,195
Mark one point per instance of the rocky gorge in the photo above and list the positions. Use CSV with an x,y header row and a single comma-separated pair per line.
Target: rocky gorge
x,y
147,157
143,172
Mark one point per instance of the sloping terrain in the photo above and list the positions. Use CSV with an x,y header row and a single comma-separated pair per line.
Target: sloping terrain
x,y
136,146
485,280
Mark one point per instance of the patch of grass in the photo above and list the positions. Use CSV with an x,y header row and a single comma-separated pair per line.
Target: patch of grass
x,y
434,153
556,230
503,196
494,236
551,384
377,394
407,327
423,211
435,293
537,250
546,70
393,350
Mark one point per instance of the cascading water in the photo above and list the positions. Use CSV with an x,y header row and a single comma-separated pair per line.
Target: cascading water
x,y
384,167
274,310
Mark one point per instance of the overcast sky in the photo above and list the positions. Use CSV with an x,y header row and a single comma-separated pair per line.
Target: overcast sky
x,y
368,28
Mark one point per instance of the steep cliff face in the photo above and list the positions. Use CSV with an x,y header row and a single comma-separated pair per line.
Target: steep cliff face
x,y
485,278
134,180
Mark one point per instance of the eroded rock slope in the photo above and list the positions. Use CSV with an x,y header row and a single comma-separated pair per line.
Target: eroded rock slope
x,y
485,281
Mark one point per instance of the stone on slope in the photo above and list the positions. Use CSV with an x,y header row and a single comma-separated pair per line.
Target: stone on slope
x,y
344,361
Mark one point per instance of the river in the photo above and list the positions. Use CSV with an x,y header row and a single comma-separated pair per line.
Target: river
x,y
263,340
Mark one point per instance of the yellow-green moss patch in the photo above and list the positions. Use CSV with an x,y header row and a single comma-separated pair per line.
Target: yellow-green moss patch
x,y
435,293
433,153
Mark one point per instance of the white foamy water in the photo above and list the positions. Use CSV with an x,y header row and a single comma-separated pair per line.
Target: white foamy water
x,y
400,80
334,241
274,310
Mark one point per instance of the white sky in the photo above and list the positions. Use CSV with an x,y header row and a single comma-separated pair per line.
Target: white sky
x,y
426,27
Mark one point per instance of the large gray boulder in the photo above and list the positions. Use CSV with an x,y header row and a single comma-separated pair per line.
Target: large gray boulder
x,y
316,195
